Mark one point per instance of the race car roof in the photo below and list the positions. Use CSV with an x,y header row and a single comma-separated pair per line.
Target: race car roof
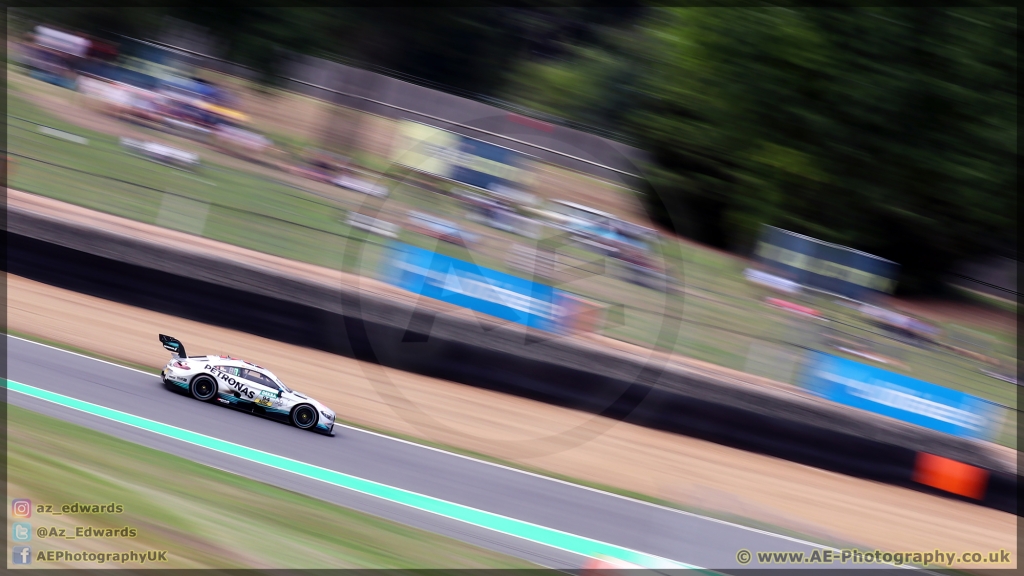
x,y
228,361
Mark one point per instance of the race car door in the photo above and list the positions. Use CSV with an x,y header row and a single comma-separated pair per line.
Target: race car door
x,y
266,392
230,377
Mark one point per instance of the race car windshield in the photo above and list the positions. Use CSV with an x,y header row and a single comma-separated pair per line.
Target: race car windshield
x,y
279,383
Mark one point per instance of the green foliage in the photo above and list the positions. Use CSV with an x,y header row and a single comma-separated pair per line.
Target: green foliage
x,y
889,130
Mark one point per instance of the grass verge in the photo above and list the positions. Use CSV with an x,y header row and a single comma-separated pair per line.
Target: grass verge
x,y
203,517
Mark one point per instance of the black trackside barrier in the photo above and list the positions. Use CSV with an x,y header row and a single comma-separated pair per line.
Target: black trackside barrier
x,y
762,424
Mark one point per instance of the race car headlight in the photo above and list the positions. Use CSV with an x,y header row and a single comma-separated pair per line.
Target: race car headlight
x,y
327,415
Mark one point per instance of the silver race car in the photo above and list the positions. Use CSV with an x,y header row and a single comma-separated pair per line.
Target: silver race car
x,y
242,385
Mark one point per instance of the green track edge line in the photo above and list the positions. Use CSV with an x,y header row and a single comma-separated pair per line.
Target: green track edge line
x,y
528,531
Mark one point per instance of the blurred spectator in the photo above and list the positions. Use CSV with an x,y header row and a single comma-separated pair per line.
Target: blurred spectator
x,y
321,166
49,65
901,325
70,44
772,280
239,142
102,51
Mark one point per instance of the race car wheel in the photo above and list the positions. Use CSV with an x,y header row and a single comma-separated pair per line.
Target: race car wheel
x,y
203,388
304,416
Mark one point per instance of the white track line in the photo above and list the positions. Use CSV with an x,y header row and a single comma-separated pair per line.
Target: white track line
x,y
502,466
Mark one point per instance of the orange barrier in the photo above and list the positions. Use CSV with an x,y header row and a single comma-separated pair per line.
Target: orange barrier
x,y
950,475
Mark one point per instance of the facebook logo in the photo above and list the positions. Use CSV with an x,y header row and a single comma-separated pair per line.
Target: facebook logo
x,y
21,555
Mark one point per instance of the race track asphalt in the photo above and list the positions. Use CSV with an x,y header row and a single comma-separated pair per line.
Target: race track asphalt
x,y
613,519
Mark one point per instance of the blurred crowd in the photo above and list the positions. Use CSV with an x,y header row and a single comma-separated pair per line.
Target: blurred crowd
x,y
174,100
170,96
631,246
178,100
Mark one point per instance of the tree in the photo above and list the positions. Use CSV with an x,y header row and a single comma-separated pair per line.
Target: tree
x,y
892,131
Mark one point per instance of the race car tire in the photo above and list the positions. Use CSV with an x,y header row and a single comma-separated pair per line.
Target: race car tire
x,y
203,388
304,416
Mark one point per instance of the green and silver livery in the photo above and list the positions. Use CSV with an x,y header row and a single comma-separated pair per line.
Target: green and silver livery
x,y
242,385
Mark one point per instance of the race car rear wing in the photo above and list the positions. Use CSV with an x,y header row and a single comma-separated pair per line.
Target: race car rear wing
x,y
174,345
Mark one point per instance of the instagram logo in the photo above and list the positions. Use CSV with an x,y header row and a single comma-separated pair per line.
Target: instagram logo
x,y
21,508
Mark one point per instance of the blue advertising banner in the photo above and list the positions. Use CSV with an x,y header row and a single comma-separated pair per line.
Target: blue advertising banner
x,y
471,286
898,396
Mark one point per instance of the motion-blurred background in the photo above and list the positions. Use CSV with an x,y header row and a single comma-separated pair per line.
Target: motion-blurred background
x,y
790,187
